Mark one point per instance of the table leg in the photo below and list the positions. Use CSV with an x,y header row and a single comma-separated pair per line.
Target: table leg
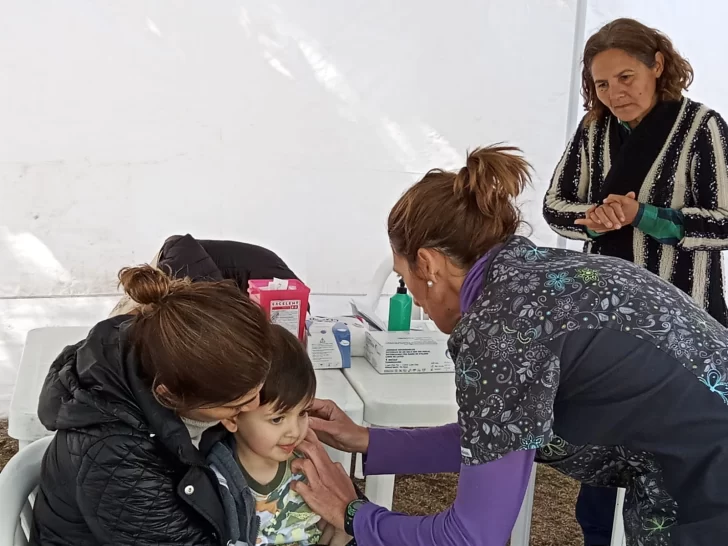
x,y
380,490
618,538
359,467
340,457
522,529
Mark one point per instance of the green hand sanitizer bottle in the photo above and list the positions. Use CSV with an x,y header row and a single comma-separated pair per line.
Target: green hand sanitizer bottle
x,y
400,310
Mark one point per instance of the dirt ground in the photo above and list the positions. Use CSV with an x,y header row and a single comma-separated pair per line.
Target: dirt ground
x,y
8,446
553,513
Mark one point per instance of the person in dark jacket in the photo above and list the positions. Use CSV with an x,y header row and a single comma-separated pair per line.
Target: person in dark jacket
x,y
208,260
136,407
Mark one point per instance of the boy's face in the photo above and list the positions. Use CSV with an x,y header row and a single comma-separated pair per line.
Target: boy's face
x,y
270,434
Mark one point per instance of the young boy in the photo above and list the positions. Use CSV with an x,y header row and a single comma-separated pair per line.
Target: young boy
x,y
253,465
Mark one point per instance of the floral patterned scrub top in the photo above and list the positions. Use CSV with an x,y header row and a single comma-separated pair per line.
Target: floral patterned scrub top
x,y
613,375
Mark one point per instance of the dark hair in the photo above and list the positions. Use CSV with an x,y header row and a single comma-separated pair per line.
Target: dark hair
x,y
206,343
291,379
642,43
463,214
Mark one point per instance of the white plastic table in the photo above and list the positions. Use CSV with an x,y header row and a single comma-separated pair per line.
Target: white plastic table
x,y
416,400
43,345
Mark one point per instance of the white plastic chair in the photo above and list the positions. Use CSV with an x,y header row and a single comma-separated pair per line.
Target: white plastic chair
x,y
368,304
18,482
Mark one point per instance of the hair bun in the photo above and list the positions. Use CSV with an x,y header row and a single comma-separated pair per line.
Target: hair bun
x,y
145,284
492,176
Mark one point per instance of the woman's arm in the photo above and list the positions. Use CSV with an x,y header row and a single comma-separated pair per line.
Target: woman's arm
x,y
413,451
706,223
127,497
664,225
566,198
488,500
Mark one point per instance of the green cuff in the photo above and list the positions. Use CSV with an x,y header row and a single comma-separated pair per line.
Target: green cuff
x,y
665,225
593,234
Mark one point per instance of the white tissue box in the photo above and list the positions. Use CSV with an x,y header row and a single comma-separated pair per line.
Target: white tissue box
x,y
415,351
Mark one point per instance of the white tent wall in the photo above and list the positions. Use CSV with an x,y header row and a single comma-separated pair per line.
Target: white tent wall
x,y
290,124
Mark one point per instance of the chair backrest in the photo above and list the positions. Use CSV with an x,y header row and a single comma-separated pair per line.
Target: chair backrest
x,y
17,481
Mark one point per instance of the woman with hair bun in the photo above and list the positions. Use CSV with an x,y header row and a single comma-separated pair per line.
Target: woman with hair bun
x,y
590,364
644,179
135,407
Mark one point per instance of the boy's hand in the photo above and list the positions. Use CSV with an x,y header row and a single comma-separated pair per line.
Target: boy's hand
x,y
331,536
340,538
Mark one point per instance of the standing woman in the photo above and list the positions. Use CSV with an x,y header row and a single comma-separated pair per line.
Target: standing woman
x,y
643,179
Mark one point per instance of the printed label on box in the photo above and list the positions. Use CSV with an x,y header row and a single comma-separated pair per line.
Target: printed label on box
x,y
408,352
321,350
286,313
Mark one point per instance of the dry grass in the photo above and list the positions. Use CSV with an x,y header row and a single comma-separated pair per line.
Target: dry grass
x,y
553,514
8,446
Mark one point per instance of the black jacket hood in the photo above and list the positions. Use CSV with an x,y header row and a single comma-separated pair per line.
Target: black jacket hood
x,y
99,381
89,383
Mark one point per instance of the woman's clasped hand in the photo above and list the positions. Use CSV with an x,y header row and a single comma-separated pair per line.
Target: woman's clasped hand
x,y
615,212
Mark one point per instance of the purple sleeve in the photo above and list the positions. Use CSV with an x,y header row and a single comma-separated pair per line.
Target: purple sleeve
x,y
413,451
488,500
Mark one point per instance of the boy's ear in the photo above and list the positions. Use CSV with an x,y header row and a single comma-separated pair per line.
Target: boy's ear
x,y
231,424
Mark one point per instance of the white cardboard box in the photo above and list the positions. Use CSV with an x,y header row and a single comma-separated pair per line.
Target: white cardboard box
x,y
408,352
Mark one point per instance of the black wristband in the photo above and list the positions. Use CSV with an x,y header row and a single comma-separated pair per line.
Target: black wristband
x,y
349,514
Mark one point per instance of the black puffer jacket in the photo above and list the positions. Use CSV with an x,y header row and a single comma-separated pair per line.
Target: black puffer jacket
x,y
185,256
122,469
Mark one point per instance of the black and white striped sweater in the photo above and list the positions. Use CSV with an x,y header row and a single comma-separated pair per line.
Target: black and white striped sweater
x,y
675,158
